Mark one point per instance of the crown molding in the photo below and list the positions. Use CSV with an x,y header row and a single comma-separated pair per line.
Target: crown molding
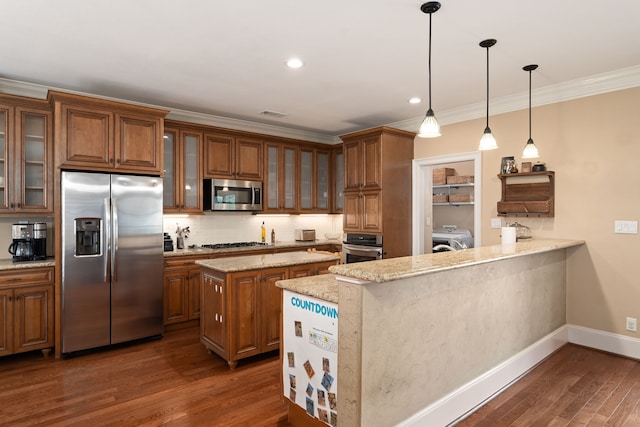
x,y
593,85
625,78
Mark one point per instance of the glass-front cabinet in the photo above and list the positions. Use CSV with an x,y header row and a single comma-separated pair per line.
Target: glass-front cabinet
x,y
338,180
280,178
26,153
182,190
314,180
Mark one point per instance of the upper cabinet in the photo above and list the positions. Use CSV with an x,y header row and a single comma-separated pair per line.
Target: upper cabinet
x,y
280,185
314,180
182,188
377,186
97,134
229,156
337,168
26,153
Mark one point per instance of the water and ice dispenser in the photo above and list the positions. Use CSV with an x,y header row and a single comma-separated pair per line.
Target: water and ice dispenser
x,y
88,236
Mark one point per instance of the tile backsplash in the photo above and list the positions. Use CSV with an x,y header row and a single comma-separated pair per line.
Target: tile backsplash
x,y
227,227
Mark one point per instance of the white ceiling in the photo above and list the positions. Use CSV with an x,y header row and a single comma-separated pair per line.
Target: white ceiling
x,y
363,59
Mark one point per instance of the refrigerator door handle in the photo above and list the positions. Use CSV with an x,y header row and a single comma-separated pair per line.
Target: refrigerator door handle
x,y
107,240
114,245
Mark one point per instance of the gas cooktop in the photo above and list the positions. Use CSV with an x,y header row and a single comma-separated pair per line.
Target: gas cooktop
x,y
228,245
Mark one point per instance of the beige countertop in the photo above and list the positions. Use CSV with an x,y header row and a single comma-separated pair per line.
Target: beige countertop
x,y
256,262
386,270
323,286
7,264
278,245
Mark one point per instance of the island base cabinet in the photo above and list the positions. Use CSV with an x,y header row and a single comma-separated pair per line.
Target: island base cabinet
x,y
241,313
26,311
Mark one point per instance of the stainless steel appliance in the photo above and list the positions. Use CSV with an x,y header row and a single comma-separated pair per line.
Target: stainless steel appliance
x,y
232,195
112,258
29,241
21,246
450,237
361,247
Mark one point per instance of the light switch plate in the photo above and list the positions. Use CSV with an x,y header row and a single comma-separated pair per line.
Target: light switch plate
x,y
626,227
496,223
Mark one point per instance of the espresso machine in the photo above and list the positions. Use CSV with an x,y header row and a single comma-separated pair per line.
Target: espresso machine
x,y
29,241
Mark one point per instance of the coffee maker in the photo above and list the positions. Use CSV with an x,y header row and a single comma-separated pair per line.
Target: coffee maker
x,y
29,241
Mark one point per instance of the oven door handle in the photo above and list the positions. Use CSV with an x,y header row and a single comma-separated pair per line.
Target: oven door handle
x,y
362,250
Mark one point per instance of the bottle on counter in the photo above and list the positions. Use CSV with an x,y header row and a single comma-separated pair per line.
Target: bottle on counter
x,y
273,236
263,233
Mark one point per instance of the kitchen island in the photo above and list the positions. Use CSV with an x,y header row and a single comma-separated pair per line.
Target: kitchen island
x,y
424,339
240,304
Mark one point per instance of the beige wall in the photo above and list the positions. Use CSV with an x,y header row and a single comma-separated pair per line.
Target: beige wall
x,y
593,145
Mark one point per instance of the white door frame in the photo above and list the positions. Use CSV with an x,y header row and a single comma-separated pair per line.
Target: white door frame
x,y
421,200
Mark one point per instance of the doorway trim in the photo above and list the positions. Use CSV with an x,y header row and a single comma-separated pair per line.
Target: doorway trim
x,y
422,211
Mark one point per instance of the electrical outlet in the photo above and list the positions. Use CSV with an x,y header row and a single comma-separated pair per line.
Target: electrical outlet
x,y
632,324
496,223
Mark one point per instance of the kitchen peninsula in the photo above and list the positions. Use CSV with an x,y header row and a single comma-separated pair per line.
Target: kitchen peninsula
x,y
421,338
241,304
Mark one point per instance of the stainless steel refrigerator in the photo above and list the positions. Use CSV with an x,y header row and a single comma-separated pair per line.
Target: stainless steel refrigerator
x,y
112,259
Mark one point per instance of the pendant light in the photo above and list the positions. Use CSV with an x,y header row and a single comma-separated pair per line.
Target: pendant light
x,y
530,150
488,141
429,127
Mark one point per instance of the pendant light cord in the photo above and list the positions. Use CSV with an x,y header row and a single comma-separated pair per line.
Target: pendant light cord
x,y
530,105
487,86
429,64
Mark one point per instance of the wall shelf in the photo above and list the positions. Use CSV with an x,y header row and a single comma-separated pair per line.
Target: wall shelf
x,y
528,194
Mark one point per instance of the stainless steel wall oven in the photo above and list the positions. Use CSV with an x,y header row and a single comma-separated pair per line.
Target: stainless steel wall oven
x,y
361,247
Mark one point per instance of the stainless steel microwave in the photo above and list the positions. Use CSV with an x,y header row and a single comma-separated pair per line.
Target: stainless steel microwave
x,y
232,195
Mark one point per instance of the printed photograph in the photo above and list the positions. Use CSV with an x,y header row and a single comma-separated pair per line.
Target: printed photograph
x,y
298,327
327,380
292,359
292,381
325,364
310,407
321,399
333,402
309,369
323,415
309,390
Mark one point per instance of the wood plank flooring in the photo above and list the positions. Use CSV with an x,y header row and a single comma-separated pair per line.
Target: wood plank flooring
x,y
175,382
575,386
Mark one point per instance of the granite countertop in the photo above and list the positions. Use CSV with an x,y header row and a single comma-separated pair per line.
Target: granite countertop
x,y
387,270
322,286
255,262
201,251
7,264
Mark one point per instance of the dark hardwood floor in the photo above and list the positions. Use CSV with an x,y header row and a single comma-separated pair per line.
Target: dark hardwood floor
x,y
172,381
175,382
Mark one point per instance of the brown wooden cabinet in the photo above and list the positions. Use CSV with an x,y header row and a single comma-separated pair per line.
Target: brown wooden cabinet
x,y
229,156
314,180
26,156
337,179
280,189
97,134
182,293
182,190
377,186
26,310
241,311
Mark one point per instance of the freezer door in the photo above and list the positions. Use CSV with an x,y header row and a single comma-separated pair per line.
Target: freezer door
x,y
136,270
85,266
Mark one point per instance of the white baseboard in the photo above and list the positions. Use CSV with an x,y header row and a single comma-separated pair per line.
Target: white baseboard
x,y
605,341
470,396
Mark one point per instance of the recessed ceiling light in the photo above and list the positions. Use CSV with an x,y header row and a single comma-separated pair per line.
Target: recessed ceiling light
x,y
295,63
415,100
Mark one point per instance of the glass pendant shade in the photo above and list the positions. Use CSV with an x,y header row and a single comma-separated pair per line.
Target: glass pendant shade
x,y
530,150
487,142
429,127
